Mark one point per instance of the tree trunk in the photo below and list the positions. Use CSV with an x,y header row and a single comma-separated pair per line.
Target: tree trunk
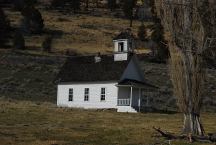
x,y
192,124
131,22
97,4
87,5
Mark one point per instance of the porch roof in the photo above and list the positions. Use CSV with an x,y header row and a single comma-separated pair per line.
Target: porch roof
x,y
134,83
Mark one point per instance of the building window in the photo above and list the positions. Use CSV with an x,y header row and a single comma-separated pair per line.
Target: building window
x,y
103,94
121,46
70,96
86,94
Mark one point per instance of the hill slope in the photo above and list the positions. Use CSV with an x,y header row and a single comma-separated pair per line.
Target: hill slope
x,y
31,77
80,33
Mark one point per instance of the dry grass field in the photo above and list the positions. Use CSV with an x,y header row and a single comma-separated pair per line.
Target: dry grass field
x,y
27,123
28,112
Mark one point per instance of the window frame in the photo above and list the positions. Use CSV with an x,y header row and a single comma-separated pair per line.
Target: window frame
x,y
120,46
86,94
70,95
103,94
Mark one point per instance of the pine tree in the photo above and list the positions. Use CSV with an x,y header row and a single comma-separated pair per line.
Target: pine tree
x,y
75,4
128,9
86,4
57,3
4,28
111,4
18,41
142,32
47,44
157,36
69,4
20,4
32,21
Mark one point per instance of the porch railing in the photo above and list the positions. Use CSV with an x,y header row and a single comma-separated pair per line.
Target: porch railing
x,y
123,102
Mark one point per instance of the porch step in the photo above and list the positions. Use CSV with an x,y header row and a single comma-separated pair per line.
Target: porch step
x,y
126,109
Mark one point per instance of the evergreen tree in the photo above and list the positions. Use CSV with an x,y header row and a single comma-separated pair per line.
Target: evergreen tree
x,y
75,4
157,36
18,41
58,3
96,2
162,52
32,21
47,44
20,4
111,4
128,9
86,4
67,4
142,32
4,28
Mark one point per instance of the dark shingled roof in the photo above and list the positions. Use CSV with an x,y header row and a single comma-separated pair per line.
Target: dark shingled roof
x,y
131,82
84,69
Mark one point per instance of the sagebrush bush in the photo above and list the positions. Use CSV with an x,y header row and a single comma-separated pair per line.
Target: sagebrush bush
x,y
47,44
4,28
32,20
18,41
142,32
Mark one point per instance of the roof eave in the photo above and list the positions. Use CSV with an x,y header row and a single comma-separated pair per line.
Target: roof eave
x,y
87,82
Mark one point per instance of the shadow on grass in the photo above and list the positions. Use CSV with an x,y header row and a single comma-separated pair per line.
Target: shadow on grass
x,y
155,110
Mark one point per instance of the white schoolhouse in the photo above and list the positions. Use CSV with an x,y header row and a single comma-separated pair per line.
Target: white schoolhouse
x,y
103,81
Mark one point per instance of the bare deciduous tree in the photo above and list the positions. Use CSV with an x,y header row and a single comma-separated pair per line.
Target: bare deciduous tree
x,y
187,38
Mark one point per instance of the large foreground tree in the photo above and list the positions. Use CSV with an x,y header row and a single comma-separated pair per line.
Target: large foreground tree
x,y
191,30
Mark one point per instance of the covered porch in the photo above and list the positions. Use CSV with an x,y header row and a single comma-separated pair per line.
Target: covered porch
x,y
130,96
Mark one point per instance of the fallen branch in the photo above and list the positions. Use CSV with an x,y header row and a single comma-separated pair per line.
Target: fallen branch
x,y
166,135
209,139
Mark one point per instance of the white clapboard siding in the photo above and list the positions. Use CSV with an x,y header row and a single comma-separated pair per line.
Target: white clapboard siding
x,y
94,95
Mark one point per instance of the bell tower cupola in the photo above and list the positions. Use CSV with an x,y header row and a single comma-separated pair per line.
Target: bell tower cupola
x,y
123,45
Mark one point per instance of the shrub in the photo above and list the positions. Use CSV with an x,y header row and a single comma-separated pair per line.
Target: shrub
x,y
58,3
161,50
47,44
18,41
142,32
71,4
112,4
21,4
128,9
4,28
32,21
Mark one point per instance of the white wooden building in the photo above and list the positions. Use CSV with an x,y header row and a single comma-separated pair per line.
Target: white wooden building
x,y
102,81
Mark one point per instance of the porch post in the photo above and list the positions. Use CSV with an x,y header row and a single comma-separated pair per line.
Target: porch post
x,y
139,98
131,95
117,96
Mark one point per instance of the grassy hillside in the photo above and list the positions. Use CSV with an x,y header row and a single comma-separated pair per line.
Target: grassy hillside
x,y
27,123
28,112
80,33
28,77
31,77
